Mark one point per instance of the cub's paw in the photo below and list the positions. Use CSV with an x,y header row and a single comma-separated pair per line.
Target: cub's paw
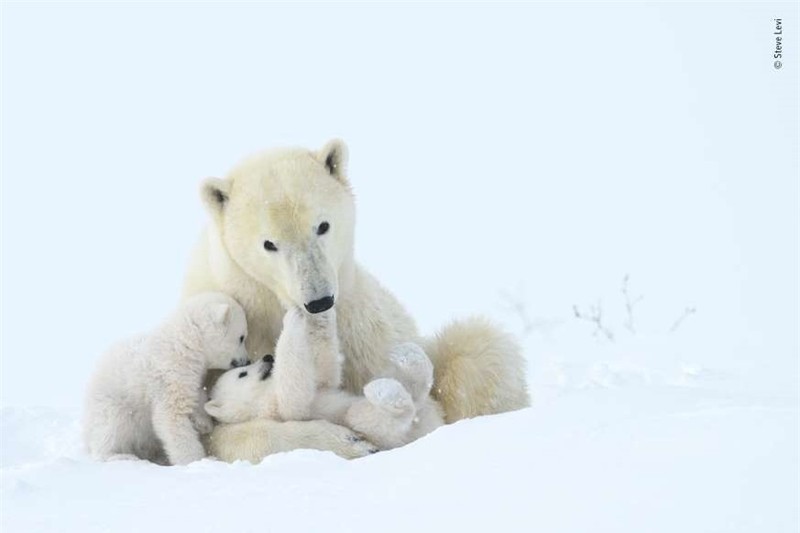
x,y
186,456
351,445
123,457
413,368
390,395
202,422
182,450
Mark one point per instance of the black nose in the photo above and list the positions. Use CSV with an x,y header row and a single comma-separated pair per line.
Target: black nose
x,y
318,306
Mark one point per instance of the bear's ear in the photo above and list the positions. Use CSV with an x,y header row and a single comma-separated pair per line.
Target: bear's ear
x,y
220,314
215,193
213,408
334,156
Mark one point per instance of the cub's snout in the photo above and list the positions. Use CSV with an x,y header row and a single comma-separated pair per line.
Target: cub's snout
x,y
236,363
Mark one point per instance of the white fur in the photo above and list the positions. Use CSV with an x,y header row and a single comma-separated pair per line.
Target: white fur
x,y
255,439
283,196
146,398
386,415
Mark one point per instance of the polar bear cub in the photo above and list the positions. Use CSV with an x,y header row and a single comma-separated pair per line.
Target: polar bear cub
x,y
146,399
302,383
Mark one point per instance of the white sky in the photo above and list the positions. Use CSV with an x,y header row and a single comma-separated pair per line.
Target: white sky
x,y
540,150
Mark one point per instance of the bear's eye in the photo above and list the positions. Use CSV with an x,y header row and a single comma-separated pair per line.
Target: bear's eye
x,y
241,339
242,374
269,245
323,228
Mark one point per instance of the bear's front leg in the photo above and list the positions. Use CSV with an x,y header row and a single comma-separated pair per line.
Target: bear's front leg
x,y
178,435
323,340
294,375
201,420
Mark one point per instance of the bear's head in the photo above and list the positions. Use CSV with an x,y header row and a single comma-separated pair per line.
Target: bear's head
x,y
220,325
286,218
236,394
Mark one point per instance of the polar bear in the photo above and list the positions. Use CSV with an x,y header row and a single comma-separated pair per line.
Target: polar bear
x,y
146,396
281,235
298,387
255,439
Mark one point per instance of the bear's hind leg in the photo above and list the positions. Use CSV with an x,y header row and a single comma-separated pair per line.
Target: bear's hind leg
x,y
385,414
332,405
411,366
111,429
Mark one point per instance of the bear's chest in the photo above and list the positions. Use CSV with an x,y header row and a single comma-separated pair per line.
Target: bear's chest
x,y
264,322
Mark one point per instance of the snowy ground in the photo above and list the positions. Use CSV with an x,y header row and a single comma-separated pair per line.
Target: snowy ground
x,y
609,446
516,161
632,459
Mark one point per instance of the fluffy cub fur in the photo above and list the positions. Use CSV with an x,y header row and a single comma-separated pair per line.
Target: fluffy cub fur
x,y
303,385
257,438
146,399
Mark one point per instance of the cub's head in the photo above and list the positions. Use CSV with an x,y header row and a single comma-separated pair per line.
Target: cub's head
x,y
235,395
286,218
220,323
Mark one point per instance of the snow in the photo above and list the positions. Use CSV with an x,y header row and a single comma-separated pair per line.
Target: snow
x,y
560,150
640,458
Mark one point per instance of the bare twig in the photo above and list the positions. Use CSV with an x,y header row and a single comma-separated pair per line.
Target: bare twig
x,y
515,304
629,304
686,314
595,316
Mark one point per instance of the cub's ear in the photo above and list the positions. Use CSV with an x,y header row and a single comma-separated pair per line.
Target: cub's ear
x,y
267,362
215,193
220,314
334,156
213,408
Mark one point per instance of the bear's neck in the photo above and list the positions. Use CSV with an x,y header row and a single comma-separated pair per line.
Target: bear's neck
x,y
347,276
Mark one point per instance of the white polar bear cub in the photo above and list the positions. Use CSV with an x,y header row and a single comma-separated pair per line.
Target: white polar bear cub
x,y
145,398
302,383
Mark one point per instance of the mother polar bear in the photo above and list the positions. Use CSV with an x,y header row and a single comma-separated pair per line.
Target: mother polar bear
x,y
281,235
